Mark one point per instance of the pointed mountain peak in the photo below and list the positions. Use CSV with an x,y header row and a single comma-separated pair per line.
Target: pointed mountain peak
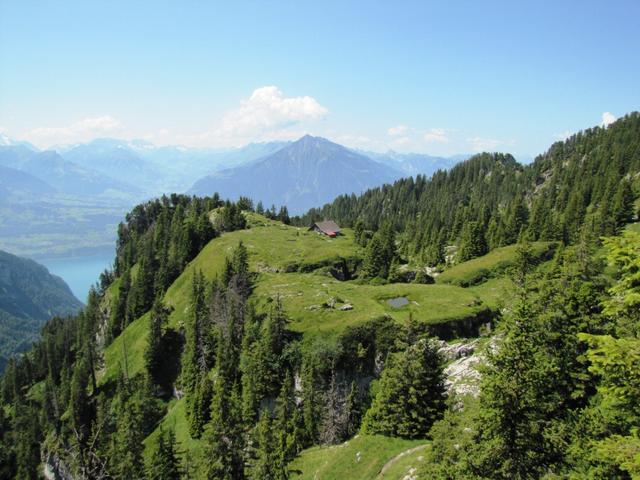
x,y
311,142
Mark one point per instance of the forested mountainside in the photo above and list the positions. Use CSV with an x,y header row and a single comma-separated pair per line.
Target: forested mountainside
x,y
29,296
587,178
486,319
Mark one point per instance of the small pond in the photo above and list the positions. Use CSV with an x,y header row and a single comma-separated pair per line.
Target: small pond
x,y
398,302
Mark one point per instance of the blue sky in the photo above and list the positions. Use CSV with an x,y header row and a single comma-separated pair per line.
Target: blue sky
x,y
434,77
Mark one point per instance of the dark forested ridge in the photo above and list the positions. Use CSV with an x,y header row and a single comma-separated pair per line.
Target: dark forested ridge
x,y
29,296
587,178
224,344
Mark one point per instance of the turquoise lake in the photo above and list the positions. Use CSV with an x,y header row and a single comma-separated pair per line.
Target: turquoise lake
x,y
79,272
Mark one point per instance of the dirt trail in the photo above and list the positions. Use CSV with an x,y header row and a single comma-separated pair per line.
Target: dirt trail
x,y
388,465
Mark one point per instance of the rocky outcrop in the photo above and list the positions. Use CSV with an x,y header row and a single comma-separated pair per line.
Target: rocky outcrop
x,y
462,375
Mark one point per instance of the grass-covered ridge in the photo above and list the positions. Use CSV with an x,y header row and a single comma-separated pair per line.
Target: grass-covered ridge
x,y
290,262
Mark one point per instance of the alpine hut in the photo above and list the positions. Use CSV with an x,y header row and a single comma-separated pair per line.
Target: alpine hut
x,y
327,227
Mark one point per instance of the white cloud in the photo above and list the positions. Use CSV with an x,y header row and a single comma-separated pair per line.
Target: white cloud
x,y
267,108
608,118
81,131
398,131
436,135
480,144
266,115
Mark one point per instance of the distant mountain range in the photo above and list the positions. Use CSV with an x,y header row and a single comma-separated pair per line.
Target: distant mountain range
x,y
62,175
313,171
68,202
29,296
70,199
156,170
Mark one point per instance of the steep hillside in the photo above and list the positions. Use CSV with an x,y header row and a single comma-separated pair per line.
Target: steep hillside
x,y
29,296
305,173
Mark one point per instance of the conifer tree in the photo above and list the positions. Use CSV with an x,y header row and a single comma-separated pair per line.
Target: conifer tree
x,y
143,292
80,404
623,204
472,243
517,220
286,440
517,391
250,374
374,258
411,395
118,318
245,203
199,404
163,463
268,362
283,215
193,359
154,353
26,448
126,456
359,233
265,464
223,435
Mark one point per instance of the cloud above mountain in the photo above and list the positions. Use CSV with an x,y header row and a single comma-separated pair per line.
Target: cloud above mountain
x,y
81,131
268,108
266,115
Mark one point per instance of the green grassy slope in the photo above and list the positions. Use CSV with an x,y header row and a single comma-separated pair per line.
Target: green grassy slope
x,y
174,420
493,263
362,457
406,465
275,249
271,246
305,298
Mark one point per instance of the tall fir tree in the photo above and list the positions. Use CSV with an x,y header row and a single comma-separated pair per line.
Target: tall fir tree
x,y
163,463
411,395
